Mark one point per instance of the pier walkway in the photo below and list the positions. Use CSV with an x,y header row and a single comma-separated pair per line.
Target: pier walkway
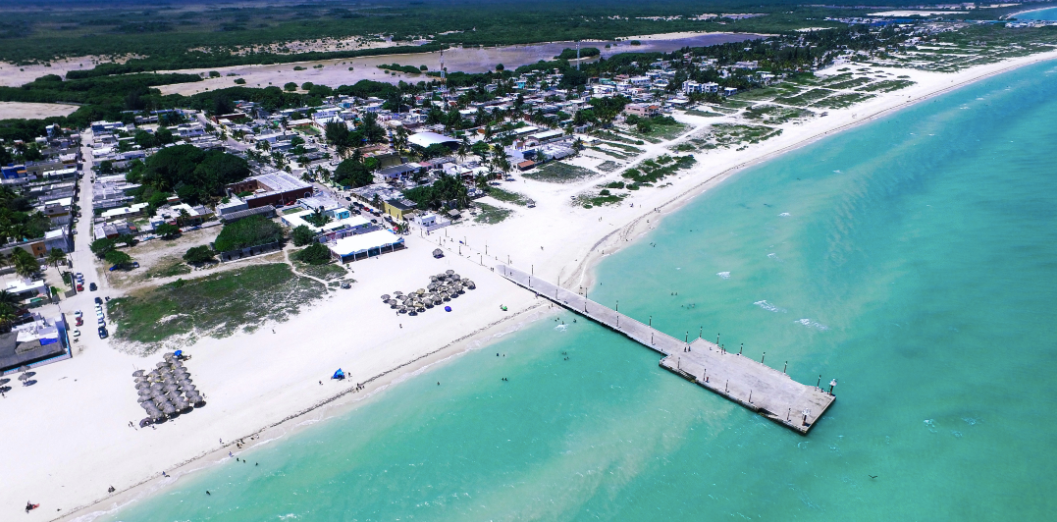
x,y
752,384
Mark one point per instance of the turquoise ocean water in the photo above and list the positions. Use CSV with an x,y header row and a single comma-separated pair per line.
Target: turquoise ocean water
x,y
913,258
1042,14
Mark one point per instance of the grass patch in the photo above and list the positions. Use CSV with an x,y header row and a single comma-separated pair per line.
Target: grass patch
x,y
608,152
328,272
216,305
616,137
775,115
558,172
626,148
842,101
508,197
490,215
608,166
702,114
725,135
886,86
660,132
167,266
653,170
850,84
805,98
605,197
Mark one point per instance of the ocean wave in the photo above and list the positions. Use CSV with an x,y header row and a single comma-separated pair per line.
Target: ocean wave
x,y
770,307
784,214
813,324
724,275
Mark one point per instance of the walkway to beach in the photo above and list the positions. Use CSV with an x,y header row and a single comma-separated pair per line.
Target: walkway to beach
x,y
752,384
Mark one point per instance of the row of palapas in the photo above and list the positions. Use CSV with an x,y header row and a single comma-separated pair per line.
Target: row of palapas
x,y
166,391
441,288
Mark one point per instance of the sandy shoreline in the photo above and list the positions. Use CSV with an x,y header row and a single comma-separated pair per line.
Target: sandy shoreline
x,y
266,386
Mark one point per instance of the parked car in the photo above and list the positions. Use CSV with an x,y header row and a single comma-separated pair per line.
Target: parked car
x,y
80,322
93,287
103,333
78,314
98,301
80,288
76,332
80,275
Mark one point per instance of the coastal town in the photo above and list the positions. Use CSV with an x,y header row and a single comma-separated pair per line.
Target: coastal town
x,y
246,240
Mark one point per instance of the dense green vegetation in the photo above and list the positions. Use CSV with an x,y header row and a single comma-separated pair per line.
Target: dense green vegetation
x,y
585,52
248,232
18,219
314,254
447,190
198,255
191,173
164,34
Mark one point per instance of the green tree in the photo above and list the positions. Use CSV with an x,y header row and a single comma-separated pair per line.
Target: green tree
x,y
167,231
302,235
25,264
126,239
290,86
117,258
101,246
315,254
354,173
56,256
199,255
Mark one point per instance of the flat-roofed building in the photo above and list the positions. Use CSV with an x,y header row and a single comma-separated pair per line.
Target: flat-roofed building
x,y
275,188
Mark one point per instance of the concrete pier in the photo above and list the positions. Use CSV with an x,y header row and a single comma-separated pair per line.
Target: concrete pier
x,y
750,383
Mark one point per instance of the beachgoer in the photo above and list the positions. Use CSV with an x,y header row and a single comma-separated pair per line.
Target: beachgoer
x,y
321,383
230,455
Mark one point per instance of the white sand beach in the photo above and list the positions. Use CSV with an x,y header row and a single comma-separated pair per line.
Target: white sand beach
x,y
73,438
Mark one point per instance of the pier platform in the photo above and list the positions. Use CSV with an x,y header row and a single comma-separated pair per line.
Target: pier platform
x,y
750,383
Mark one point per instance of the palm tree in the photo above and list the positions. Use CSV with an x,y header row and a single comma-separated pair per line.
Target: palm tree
x,y
7,315
9,299
5,260
55,257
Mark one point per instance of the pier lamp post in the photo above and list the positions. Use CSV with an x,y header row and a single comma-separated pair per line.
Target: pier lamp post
x,y
651,321
819,383
785,367
742,348
831,385
717,338
618,306
788,414
700,331
806,412
764,357
532,271
687,338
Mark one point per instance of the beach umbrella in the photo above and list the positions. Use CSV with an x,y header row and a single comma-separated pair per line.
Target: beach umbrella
x,y
420,291
398,293
145,422
5,389
449,272
161,364
385,297
4,381
470,284
25,376
24,369
455,277
433,279
138,373
168,356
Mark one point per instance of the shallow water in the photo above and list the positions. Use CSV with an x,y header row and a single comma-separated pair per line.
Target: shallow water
x,y
914,259
1042,14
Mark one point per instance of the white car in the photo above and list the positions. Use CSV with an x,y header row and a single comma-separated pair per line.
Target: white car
x,y
78,314
76,332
